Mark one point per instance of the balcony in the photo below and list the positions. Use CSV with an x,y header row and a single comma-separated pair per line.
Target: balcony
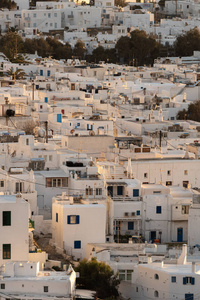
x,y
126,198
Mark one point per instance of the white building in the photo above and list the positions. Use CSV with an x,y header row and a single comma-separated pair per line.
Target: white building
x,y
76,225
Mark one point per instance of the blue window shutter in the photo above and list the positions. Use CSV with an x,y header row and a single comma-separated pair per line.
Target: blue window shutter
x,y
91,127
46,99
68,219
77,244
193,280
88,126
77,219
138,212
184,280
41,72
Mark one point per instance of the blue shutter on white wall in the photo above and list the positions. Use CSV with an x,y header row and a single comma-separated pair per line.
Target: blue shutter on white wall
x,y
77,219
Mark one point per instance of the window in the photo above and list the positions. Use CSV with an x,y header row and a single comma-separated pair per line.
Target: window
x,y
46,289
73,219
185,172
89,191
189,280
185,184
77,244
6,251
56,182
145,175
138,212
169,172
2,183
34,15
19,187
168,183
158,209
156,294
130,225
173,279
129,275
57,217
49,15
78,124
55,14
99,192
136,193
156,276
156,192
6,218
50,157
122,275
185,209
120,190
3,286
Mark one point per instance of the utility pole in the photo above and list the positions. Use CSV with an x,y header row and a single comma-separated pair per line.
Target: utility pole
x,y
46,129
33,90
160,137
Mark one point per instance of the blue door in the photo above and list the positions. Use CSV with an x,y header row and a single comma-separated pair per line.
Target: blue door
x,y
46,99
179,234
48,73
59,118
41,72
189,296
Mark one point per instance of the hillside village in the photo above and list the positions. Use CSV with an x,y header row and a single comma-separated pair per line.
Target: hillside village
x,y
99,160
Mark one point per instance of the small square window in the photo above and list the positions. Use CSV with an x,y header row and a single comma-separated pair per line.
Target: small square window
x,y
169,172
77,244
145,175
173,278
3,286
138,212
2,183
158,209
46,289
185,172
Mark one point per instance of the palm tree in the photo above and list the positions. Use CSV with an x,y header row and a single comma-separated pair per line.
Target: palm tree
x,y
18,74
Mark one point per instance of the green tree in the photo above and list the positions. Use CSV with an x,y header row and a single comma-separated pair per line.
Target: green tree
x,y
123,48
7,4
192,113
18,74
79,49
11,44
187,43
144,48
99,277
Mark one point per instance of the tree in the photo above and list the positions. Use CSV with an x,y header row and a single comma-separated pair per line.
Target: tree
x,y
144,48
139,49
192,113
11,44
99,277
121,3
28,127
79,49
187,43
8,4
123,48
18,74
